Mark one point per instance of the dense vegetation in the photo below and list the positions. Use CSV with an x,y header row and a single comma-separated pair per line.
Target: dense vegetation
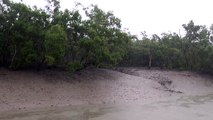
x,y
193,51
40,38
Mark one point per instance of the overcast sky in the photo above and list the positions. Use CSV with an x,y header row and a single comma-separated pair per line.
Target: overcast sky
x,y
153,16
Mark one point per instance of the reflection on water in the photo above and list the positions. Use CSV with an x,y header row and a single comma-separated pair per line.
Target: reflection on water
x,y
187,108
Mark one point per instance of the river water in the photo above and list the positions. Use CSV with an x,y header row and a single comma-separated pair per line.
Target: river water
x,y
182,108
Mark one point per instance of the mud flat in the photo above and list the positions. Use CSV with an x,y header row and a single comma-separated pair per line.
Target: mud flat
x,y
184,108
23,92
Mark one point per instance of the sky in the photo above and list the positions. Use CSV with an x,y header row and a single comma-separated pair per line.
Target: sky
x,y
152,16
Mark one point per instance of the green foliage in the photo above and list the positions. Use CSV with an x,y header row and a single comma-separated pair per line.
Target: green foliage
x,y
55,43
49,60
104,43
39,38
74,66
191,52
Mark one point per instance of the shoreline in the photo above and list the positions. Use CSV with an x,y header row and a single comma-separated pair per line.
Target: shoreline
x,y
25,91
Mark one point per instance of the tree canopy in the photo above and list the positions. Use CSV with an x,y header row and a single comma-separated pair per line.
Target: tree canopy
x,y
36,38
193,51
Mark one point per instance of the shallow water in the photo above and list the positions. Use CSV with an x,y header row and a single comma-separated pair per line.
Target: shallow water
x,y
183,108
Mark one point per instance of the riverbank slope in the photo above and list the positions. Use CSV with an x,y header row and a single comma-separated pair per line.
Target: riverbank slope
x,y
26,90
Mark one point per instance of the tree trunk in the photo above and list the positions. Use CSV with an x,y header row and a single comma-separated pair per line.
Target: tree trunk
x,y
13,58
150,61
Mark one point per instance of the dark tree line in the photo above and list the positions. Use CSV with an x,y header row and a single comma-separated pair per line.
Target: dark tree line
x,y
40,38
36,38
193,51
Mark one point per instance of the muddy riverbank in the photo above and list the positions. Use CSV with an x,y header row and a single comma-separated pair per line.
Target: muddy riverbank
x,y
183,108
24,91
